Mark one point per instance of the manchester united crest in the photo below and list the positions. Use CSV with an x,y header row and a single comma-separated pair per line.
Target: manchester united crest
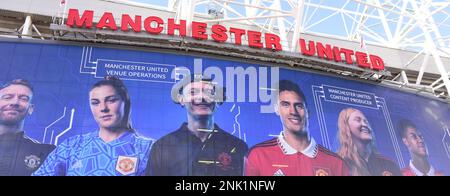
x,y
126,165
321,172
224,161
387,173
32,161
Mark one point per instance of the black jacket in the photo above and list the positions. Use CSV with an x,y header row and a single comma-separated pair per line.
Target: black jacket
x,y
180,153
20,155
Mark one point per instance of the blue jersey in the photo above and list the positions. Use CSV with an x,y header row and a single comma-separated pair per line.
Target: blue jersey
x,y
89,155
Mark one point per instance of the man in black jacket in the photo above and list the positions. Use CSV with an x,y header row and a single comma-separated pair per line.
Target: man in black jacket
x,y
19,154
199,147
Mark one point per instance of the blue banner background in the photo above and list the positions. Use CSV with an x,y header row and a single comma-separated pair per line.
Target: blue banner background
x,y
60,75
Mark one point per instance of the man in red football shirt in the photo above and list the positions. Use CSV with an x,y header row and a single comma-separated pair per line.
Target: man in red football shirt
x,y
413,140
294,152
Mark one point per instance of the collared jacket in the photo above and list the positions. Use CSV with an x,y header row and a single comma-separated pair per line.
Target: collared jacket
x,y
21,155
181,153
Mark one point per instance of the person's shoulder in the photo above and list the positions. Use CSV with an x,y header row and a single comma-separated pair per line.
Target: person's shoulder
x,y
85,136
270,142
387,163
383,158
439,173
30,140
79,139
174,138
37,145
407,172
264,145
224,136
328,152
142,140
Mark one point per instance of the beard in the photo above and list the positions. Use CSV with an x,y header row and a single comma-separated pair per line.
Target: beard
x,y
7,119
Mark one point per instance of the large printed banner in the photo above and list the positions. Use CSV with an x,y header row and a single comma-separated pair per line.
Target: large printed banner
x,y
367,126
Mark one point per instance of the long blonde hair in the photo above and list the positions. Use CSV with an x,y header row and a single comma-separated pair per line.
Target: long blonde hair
x,y
347,149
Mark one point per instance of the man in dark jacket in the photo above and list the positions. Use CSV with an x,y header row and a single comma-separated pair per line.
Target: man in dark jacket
x,y
199,147
19,154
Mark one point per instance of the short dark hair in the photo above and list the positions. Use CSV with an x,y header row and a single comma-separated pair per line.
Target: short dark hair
x,y
18,81
402,125
188,79
287,85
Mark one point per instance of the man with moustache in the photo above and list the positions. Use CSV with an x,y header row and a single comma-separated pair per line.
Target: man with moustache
x,y
294,152
19,154
419,165
199,147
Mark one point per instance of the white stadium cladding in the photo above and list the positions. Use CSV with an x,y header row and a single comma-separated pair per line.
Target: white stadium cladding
x,y
411,36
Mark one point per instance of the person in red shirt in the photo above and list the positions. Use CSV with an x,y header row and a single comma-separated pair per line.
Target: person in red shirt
x,y
294,152
357,146
419,165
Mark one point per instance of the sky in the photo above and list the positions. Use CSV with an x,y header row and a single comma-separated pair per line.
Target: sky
x,y
327,22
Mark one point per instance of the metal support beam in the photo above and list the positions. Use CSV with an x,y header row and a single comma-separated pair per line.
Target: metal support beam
x,y
422,69
298,28
37,31
404,77
430,45
27,31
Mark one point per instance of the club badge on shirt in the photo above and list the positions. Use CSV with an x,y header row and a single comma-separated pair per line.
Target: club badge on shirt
x,y
321,172
387,173
126,165
224,161
32,161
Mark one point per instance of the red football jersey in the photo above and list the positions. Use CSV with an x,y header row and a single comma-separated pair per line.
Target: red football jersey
x,y
412,171
276,157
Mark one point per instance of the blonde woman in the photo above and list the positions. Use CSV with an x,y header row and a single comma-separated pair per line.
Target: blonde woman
x,y
357,146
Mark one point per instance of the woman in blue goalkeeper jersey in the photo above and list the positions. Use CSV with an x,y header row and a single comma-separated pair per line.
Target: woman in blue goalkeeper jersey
x,y
114,150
